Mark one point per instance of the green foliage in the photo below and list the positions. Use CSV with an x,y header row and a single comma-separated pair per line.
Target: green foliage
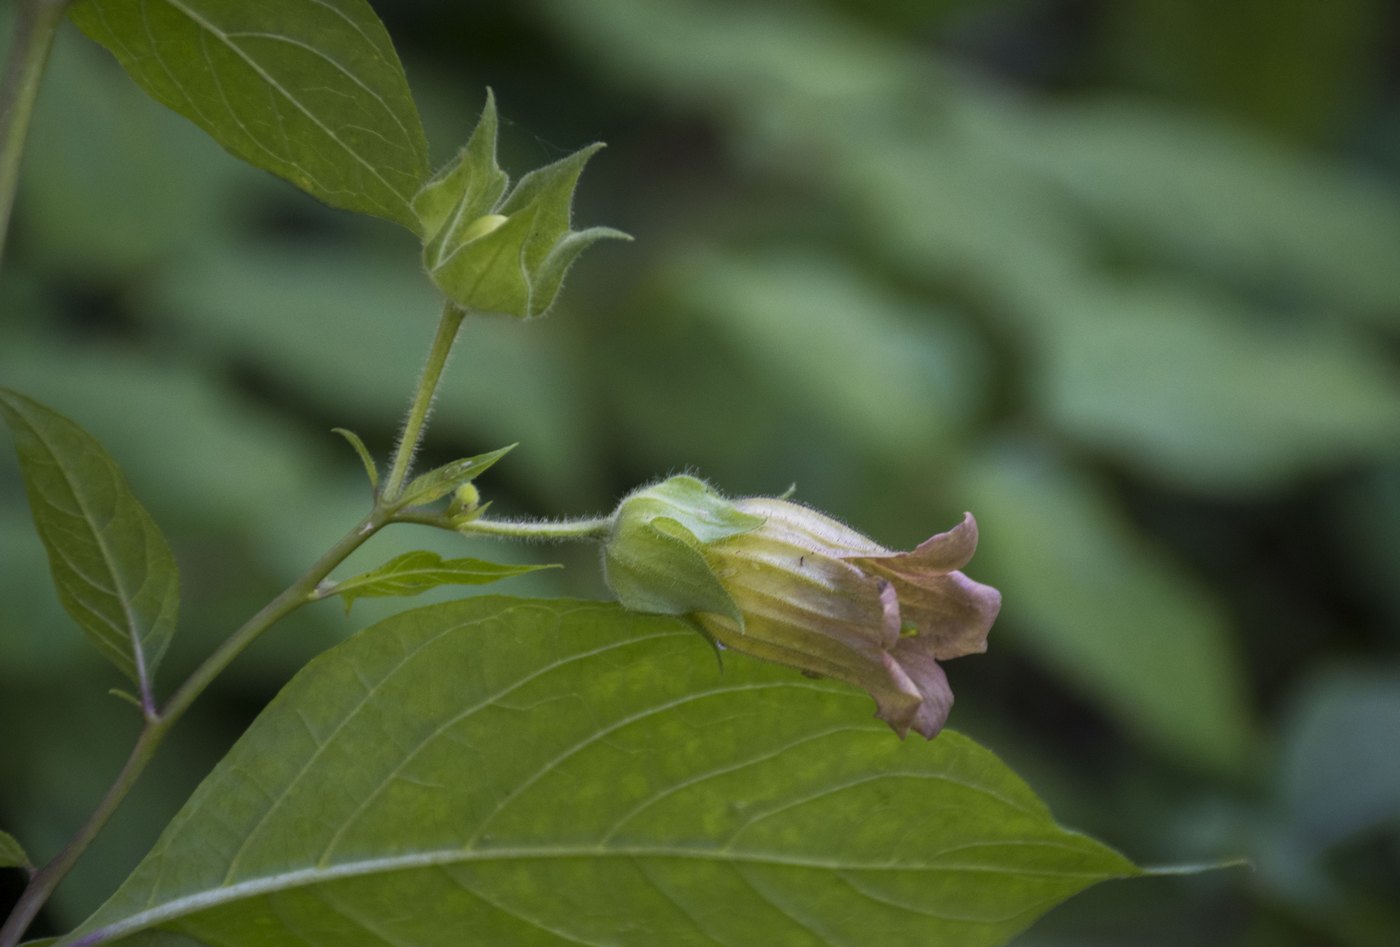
x,y
556,772
1207,393
1346,723
11,852
310,90
415,572
113,569
1109,610
920,257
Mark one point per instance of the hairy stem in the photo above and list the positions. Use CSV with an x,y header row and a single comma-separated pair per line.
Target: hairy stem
x,y
46,879
414,424
36,21
593,527
542,530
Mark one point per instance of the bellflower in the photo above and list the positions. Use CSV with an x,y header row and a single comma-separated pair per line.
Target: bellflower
x,y
782,582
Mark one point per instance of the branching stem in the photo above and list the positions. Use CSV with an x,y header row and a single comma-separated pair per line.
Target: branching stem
x,y
46,879
158,723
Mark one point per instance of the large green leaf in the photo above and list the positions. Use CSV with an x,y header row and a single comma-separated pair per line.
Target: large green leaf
x,y
310,90
114,571
504,771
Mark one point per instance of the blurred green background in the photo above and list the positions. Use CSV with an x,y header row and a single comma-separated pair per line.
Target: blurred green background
x,y
1123,279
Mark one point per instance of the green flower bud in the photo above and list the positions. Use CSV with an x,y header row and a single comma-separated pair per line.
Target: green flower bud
x,y
498,252
778,581
465,499
482,226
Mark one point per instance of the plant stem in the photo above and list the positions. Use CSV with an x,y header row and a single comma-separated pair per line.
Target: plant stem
x,y
412,435
593,528
293,597
42,884
299,593
36,22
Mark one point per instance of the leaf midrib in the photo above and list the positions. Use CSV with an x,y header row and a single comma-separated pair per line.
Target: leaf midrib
x,y
119,591
257,67
306,877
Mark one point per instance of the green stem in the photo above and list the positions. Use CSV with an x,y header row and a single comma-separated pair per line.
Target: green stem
x,y
303,590
596,527
36,22
300,592
412,435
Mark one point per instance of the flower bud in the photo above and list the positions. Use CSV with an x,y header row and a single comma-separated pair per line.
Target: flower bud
x,y
482,226
778,581
494,251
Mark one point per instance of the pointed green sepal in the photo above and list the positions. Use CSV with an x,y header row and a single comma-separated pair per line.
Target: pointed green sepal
x,y
371,469
654,559
468,188
496,255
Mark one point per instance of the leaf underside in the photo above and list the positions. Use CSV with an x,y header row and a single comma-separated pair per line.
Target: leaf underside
x,y
502,771
112,567
310,90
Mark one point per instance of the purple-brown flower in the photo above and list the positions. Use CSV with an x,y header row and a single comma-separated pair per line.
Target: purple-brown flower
x,y
779,581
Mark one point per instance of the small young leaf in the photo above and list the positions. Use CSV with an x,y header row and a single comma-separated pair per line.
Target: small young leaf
x,y
570,773
416,572
310,90
440,481
113,569
12,853
371,469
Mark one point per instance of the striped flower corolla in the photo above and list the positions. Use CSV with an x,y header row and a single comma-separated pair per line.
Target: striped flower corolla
x,y
779,581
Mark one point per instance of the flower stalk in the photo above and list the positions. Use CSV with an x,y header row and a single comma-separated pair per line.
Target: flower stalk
x,y
417,419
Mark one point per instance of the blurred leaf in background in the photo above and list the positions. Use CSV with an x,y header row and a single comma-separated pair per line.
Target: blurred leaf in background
x,y
1120,279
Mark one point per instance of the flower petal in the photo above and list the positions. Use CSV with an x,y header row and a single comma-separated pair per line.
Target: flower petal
x,y
918,696
950,612
926,675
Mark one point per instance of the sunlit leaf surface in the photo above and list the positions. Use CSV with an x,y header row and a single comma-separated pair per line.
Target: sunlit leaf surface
x,y
502,771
